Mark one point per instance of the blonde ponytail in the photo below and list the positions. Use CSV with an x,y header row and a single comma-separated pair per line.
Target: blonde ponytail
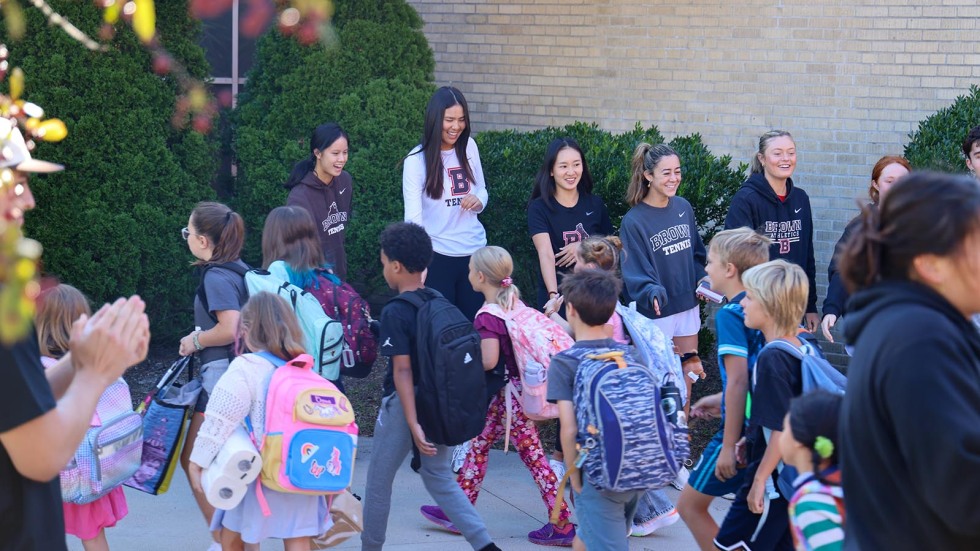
x,y
496,264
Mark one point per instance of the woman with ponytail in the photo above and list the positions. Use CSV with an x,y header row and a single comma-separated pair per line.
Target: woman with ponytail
x,y
910,422
215,235
490,273
320,185
444,191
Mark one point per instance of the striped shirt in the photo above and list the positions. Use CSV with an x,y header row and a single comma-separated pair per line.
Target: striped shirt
x,y
817,514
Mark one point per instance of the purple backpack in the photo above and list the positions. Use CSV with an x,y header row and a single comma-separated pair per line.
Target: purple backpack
x,y
343,304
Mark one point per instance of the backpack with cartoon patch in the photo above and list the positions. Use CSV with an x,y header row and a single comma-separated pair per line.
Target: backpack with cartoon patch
x,y
310,440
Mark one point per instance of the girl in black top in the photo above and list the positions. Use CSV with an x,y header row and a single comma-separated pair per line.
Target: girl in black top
x,y
910,423
562,212
885,173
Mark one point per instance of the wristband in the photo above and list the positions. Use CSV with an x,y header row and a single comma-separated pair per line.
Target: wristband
x,y
688,355
197,343
552,293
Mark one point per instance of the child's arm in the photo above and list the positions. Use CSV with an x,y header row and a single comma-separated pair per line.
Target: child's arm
x,y
770,460
405,386
737,369
569,433
490,350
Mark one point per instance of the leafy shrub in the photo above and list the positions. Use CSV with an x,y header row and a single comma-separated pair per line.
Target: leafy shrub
x,y
109,223
511,159
375,83
937,143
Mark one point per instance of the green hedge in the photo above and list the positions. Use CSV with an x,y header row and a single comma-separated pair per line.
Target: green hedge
x,y
937,143
511,159
374,83
110,223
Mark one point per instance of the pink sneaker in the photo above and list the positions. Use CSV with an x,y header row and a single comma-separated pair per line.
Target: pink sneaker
x,y
549,534
434,514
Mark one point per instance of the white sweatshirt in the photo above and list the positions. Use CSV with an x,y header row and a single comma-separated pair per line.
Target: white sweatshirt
x,y
240,392
454,232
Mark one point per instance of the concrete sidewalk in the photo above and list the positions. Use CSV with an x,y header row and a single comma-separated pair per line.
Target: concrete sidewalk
x,y
509,503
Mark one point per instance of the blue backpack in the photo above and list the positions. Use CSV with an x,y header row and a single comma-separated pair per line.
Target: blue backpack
x,y
652,346
626,438
815,371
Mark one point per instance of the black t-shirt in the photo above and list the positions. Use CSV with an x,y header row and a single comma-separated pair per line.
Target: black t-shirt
x,y
30,512
566,225
776,379
398,337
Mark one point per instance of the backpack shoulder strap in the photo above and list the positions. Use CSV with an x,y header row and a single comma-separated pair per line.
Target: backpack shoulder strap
x,y
780,344
230,266
271,358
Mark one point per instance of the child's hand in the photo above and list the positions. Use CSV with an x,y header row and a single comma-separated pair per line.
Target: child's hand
x,y
576,479
725,466
194,474
757,497
187,345
425,447
740,458
553,305
708,407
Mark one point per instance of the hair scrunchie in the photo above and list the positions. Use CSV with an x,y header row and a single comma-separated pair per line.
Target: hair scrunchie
x,y
506,282
824,447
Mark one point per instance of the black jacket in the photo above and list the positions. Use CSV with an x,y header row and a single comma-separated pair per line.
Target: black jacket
x,y
910,425
836,301
788,223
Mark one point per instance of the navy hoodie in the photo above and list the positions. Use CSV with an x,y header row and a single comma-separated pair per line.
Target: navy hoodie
x,y
910,423
836,301
788,223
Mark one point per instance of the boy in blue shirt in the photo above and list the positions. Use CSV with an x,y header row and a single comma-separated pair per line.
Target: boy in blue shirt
x,y
731,253
604,516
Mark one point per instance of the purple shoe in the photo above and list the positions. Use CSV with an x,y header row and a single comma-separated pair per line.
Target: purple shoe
x,y
434,514
549,534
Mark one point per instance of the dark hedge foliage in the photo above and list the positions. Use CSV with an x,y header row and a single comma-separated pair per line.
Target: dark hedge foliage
x,y
374,82
110,223
511,159
937,143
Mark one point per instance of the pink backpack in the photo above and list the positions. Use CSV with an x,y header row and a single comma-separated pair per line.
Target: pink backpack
x,y
310,437
535,339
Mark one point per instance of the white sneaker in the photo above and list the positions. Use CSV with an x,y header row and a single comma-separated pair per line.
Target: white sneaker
x,y
459,455
681,480
729,496
654,524
558,467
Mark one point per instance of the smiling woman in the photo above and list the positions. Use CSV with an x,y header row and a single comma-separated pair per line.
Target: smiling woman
x,y
770,203
444,191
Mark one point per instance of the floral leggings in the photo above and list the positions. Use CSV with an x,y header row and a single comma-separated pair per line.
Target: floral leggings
x,y
524,437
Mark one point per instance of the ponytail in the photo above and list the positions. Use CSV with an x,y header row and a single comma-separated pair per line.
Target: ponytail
x,y
496,264
645,158
223,227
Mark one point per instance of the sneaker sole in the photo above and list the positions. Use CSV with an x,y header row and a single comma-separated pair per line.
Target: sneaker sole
x,y
659,523
550,543
444,524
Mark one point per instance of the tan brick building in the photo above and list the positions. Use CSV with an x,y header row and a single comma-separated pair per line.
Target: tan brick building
x,y
850,80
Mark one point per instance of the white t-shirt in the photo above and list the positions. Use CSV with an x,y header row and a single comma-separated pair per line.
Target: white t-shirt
x,y
454,232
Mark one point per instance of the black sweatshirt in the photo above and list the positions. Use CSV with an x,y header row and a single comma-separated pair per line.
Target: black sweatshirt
x,y
836,301
910,424
788,223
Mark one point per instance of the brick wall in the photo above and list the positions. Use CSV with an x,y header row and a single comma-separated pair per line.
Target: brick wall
x,y
849,81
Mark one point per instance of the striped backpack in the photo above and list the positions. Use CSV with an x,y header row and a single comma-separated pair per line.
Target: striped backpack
x,y
624,434
110,452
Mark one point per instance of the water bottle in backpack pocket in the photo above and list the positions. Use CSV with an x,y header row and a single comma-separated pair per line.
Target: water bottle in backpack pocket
x,y
310,440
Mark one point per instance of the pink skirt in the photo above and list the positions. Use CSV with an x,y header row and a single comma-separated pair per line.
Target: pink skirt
x,y
85,521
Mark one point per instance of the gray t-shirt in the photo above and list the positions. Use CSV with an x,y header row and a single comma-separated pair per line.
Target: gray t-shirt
x,y
561,373
225,291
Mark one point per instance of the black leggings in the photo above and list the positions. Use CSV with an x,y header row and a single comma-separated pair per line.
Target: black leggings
x,y
450,276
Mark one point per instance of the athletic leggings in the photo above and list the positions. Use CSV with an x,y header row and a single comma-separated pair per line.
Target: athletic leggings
x,y
450,276
524,438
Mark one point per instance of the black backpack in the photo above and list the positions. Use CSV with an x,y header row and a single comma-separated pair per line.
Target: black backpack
x,y
451,387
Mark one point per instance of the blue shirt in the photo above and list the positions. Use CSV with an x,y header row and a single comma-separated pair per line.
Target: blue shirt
x,y
735,339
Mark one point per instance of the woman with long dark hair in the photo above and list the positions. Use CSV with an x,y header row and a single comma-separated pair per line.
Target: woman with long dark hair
x,y
444,191
910,424
320,185
562,213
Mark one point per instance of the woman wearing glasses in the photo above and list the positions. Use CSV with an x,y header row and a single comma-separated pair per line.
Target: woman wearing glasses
x,y
215,235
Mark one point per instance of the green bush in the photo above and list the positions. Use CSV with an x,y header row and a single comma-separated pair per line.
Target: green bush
x,y
937,143
375,83
511,159
110,222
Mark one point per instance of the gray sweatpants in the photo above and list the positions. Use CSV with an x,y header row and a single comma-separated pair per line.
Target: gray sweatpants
x,y
392,444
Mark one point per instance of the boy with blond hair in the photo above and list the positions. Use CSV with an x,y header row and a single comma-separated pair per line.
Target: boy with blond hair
x,y
774,303
730,254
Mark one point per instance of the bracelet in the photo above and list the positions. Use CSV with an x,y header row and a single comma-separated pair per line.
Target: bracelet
x,y
197,343
552,293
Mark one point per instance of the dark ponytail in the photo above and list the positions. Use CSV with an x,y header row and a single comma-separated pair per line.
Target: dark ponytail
x,y
223,227
924,213
323,136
